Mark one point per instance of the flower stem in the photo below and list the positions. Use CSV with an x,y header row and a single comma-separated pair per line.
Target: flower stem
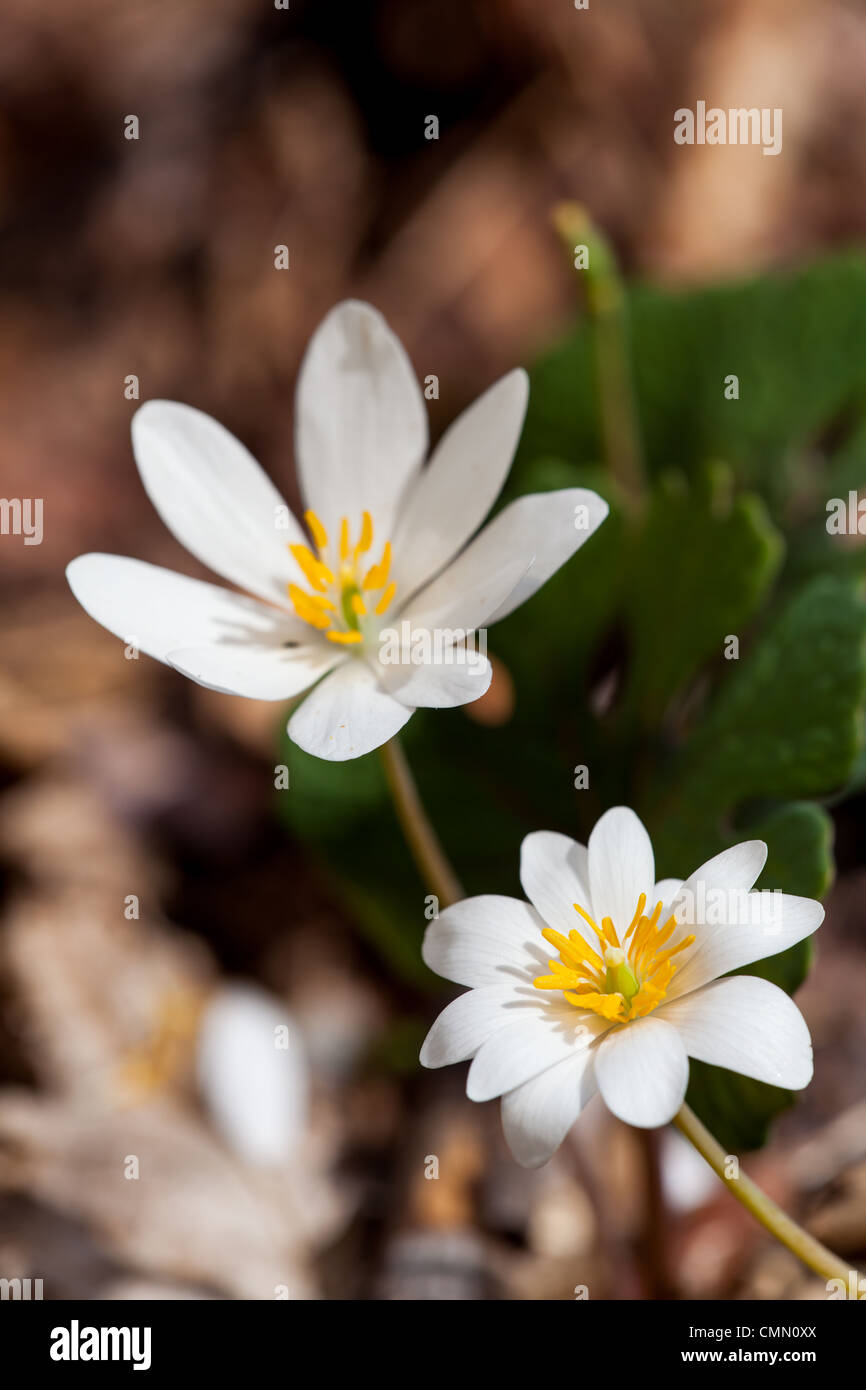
x,y
420,836
776,1221
606,305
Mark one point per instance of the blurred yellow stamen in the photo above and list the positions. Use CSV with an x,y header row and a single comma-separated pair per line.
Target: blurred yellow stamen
x,y
336,583
366,539
385,601
315,572
377,575
320,535
308,608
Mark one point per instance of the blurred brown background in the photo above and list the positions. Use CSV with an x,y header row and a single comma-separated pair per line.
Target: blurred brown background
x,y
155,258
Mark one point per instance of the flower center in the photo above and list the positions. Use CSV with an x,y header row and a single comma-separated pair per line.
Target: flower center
x,y
345,596
619,980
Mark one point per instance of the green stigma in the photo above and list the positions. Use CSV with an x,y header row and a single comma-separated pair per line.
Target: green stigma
x,y
351,617
619,978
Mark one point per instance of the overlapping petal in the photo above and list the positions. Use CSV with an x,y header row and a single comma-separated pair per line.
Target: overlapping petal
x,y
620,865
214,497
347,715
488,940
160,611
470,462
537,1115
554,873
642,1071
547,1034
361,424
748,1025
257,670
467,1022
438,685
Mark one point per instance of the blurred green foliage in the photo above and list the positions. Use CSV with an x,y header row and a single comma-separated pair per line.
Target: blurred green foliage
x,y
619,662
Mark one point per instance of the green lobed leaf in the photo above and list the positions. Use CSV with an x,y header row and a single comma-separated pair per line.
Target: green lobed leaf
x,y
700,567
796,341
786,724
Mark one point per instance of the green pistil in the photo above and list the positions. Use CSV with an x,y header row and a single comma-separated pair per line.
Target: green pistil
x,y
351,617
619,978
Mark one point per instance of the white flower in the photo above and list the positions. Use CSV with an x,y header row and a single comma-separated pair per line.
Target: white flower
x,y
633,993
386,550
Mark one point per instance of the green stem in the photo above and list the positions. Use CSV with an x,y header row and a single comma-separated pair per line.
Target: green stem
x,y
420,836
606,305
776,1221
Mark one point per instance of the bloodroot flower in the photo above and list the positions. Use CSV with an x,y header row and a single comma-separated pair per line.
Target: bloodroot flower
x,y
630,990
373,603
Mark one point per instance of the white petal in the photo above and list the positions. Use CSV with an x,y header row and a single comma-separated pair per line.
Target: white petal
x,y
458,487
537,1115
488,940
462,599
158,611
439,685
547,528
733,926
467,1022
347,715
214,497
664,892
642,1071
737,867
747,1025
554,874
621,866
256,1091
761,925
258,671
361,424
531,1045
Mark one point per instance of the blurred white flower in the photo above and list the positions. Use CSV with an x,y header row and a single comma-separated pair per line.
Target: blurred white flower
x,y
389,547
633,993
253,1075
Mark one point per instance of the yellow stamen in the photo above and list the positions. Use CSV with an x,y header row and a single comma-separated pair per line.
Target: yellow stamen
x,y
572,957
586,951
610,1006
377,575
641,937
673,951
625,981
666,932
385,601
564,978
309,607
315,571
586,917
609,931
319,534
366,537
638,913
340,594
